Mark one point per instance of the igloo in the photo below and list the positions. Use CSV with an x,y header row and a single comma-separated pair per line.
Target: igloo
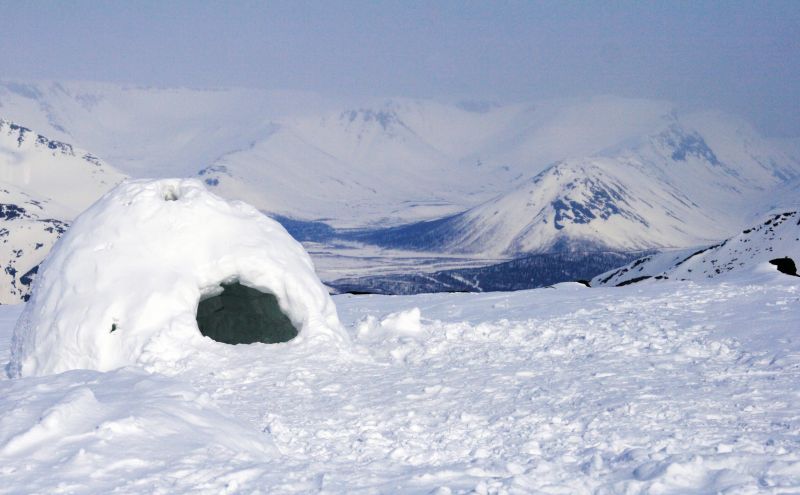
x,y
154,265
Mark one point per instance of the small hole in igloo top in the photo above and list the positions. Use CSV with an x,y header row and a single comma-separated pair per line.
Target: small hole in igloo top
x,y
243,315
170,194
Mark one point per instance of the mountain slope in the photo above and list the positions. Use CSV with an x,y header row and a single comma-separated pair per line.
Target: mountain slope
x,y
43,185
668,189
771,244
148,131
399,160
66,178
353,162
602,172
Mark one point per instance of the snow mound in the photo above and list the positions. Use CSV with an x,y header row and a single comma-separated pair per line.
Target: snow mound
x,y
108,424
405,323
122,287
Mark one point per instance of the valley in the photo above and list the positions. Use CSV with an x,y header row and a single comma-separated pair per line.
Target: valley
x,y
398,186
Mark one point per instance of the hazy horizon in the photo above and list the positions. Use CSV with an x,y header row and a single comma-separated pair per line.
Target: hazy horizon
x,y
742,58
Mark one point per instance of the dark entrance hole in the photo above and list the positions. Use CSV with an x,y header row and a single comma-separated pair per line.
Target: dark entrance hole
x,y
242,315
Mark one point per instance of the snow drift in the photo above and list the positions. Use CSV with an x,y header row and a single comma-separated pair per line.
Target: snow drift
x,y
122,287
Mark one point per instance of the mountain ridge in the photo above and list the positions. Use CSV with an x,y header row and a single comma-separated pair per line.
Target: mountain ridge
x,y
766,246
594,173
670,190
44,184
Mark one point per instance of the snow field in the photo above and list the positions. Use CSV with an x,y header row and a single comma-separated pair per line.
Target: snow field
x,y
91,432
664,388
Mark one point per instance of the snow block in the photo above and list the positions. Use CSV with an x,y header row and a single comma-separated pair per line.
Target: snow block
x,y
123,286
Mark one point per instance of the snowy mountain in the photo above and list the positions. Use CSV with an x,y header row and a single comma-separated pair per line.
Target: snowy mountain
x,y
148,131
773,244
601,172
671,188
26,236
67,179
351,161
400,160
44,184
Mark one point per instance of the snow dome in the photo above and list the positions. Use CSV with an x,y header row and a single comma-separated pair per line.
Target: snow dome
x,y
157,271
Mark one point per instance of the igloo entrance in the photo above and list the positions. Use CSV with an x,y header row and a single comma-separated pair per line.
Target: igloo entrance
x,y
243,315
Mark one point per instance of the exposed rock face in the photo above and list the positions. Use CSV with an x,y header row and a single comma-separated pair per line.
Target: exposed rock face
x,y
785,265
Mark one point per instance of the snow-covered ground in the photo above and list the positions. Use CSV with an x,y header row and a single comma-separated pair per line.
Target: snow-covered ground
x,y
673,387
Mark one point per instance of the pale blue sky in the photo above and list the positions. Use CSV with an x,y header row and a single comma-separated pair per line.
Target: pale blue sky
x,y
742,57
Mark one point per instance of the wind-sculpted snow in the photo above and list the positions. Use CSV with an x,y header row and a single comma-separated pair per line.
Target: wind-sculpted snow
x,y
123,285
90,426
668,388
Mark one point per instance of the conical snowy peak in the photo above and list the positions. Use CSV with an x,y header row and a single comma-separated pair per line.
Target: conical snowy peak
x,y
581,192
594,203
